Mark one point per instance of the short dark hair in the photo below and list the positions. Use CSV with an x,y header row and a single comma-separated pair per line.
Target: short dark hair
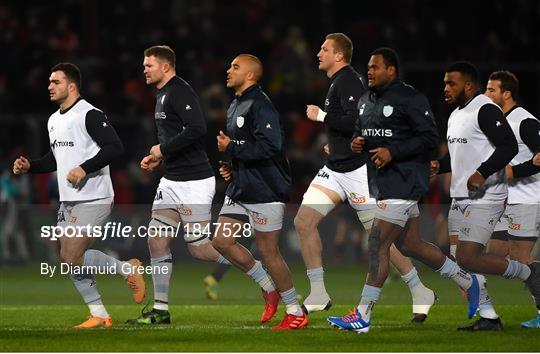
x,y
467,69
342,43
390,57
72,72
509,82
162,52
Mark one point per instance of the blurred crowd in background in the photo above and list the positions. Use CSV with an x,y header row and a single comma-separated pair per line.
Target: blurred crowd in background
x,y
106,39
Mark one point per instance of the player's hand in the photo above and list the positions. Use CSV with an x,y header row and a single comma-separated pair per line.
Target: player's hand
x,y
381,157
155,151
222,141
475,182
76,176
21,165
536,159
312,112
509,173
149,163
326,149
357,144
225,170
434,167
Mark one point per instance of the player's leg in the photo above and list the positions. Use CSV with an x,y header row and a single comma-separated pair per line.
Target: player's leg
x,y
523,230
212,280
498,243
194,204
390,220
422,296
229,223
318,201
76,251
267,243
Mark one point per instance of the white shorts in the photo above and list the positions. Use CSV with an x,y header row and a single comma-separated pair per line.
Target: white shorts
x,y
264,217
85,213
191,199
351,185
520,220
475,219
397,211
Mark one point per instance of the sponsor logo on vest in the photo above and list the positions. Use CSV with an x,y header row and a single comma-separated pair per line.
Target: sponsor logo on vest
x,y
377,132
240,121
159,195
323,174
457,140
57,143
387,111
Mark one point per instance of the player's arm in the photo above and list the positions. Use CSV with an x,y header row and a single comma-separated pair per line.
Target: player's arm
x,y
425,135
102,132
186,105
529,130
496,128
440,166
45,164
267,134
349,93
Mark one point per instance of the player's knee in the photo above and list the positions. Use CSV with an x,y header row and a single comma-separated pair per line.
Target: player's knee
x,y
406,251
201,252
374,242
71,257
161,230
301,224
466,260
221,244
268,252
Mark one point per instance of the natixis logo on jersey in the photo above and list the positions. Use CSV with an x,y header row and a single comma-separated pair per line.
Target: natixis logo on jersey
x,y
55,144
160,115
377,132
457,140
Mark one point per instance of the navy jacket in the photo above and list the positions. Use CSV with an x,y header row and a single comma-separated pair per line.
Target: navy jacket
x,y
260,170
399,118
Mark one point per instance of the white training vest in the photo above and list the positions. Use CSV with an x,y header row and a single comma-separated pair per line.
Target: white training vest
x,y
469,148
527,189
72,145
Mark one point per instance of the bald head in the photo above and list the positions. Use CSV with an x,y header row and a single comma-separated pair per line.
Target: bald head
x,y
245,71
253,64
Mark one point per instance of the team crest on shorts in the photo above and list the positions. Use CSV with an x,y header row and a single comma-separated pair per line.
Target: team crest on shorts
x,y
381,204
387,111
183,210
72,219
240,121
258,218
356,199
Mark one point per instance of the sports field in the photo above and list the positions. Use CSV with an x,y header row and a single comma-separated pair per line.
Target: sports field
x,y
37,314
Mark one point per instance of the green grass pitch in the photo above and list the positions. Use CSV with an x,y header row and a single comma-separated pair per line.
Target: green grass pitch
x,y
36,314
